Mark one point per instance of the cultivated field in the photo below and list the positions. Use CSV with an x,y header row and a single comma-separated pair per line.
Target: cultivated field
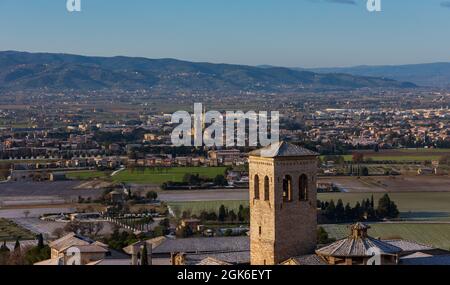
x,y
159,176
391,183
437,235
42,193
10,231
403,155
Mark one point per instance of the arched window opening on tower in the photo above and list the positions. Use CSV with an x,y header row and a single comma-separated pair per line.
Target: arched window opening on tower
x,y
303,188
256,187
266,189
287,189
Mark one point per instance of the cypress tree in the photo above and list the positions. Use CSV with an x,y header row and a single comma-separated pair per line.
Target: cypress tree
x,y
348,212
383,206
340,211
17,245
144,255
330,212
40,239
222,213
357,211
241,216
4,248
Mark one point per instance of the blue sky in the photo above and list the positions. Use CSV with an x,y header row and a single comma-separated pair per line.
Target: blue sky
x,y
306,33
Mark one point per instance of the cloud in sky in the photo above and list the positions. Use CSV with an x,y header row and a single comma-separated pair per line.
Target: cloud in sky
x,y
445,4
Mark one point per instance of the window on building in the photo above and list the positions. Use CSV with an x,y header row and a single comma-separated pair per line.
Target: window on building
x,y
303,188
256,187
287,189
266,189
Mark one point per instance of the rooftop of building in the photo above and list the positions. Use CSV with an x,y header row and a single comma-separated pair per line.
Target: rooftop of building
x,y
282,149
226,258
420,258
164,245
358,244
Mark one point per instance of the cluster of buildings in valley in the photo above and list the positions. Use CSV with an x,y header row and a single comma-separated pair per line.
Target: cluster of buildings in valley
x,y
79,131
385,128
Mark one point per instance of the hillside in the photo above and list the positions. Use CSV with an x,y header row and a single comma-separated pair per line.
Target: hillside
x,y
21,71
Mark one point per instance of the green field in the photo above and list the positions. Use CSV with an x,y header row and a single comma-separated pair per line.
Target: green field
x,y
403,158
159,176
9,231
209,206
87,175
437,235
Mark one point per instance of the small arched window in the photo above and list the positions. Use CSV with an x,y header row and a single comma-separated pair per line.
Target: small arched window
x,y
303,187
266,189
287,189
256,187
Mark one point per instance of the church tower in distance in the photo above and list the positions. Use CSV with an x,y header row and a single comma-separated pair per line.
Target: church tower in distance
x,y
283,203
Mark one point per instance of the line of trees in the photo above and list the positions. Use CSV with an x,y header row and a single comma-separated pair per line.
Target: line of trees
x,y
223,215
362,211
195,180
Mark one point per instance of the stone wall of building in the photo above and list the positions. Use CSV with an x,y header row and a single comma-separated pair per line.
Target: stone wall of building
x,y
282,229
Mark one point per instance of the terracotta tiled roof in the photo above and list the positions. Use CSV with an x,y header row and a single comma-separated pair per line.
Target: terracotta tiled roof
x,y
212,261
83,243
69,240
407,245
310,259
49,262
227,258
91,248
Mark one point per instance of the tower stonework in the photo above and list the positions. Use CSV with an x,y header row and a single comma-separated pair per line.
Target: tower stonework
x,y
283,203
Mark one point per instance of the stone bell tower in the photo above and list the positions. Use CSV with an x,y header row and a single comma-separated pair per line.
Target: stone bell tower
x,y
283,207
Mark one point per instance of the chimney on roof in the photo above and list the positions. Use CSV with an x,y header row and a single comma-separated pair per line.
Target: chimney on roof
x,y
135,252
178,258
359,230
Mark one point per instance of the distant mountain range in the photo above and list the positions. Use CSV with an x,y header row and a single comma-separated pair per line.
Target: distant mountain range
x,y
21,71
428,74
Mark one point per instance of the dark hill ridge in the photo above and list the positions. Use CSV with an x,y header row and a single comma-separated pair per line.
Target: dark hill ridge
x,y
21,70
